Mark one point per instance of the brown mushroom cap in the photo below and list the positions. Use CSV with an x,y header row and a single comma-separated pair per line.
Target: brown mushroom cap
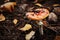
x,y
39,15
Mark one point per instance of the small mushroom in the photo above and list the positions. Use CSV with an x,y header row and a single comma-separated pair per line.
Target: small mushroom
x,y
15,21
39,14
26,27
2,17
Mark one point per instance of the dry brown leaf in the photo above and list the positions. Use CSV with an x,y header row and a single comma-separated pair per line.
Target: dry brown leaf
x,y
26,27
38,4
15,21
56,5
29,36
2,17
9,6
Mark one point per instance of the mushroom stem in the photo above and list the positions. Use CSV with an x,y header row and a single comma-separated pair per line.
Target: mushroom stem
x,y
40,27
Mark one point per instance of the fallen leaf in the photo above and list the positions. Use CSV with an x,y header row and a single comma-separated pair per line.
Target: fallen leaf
x,y
2,17
26,27
29,36
15,21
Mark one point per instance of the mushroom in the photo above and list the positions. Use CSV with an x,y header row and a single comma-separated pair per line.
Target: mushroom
x,y
38,14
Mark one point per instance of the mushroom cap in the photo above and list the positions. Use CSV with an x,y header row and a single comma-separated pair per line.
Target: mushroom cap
x,y
42,14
